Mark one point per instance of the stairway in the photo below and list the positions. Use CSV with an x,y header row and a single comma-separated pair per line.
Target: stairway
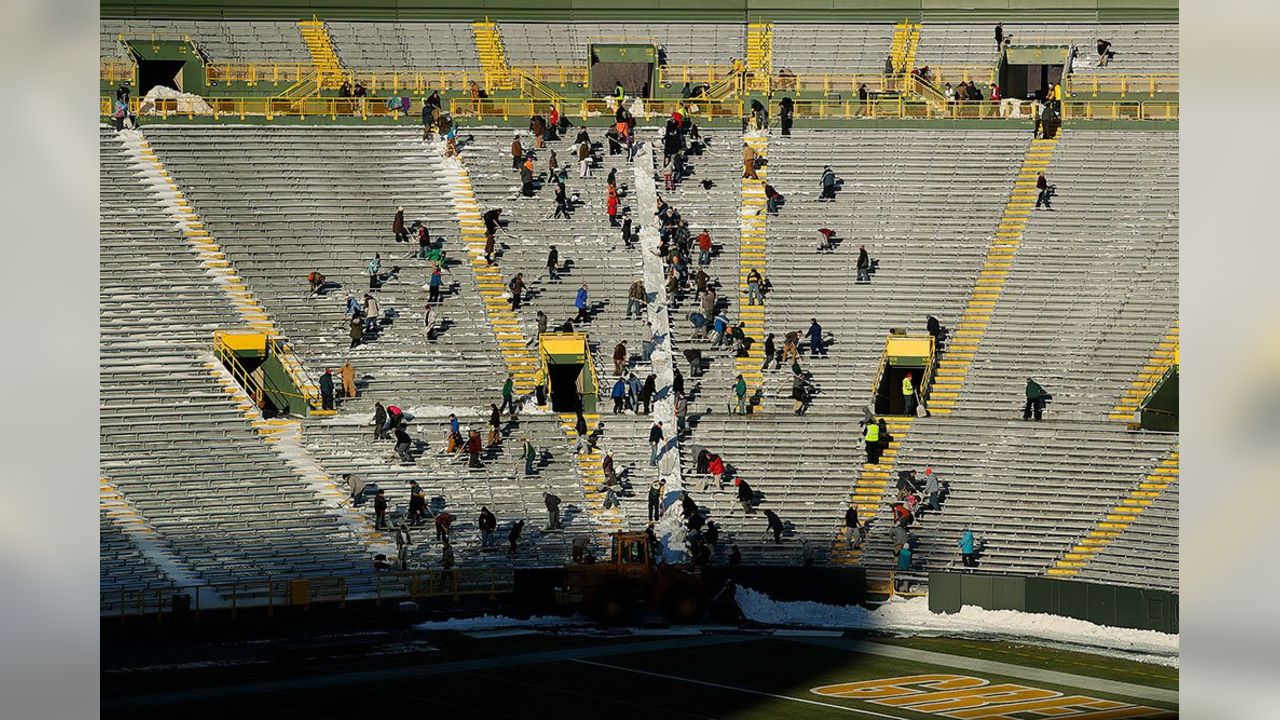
x,y
328,67
591,475
869,490
493,59
759,56
962,345
1118,518
1162,358
751,255
215,263
906,39
520,359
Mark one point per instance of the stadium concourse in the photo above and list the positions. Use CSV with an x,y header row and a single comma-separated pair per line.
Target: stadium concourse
x,y
635,229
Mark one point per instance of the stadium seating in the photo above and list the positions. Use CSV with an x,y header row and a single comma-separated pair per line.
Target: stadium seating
x,y
122,565
831,48
285,201
924,202
1091,291
405,46
1140,49
1146,553
566,43
593,250
715,209
1093,287
173,441
1030,490
222,40
590,251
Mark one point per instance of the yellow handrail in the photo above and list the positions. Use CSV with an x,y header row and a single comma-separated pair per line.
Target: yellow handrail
x,y
1073,109
507,108
270,592
1150,84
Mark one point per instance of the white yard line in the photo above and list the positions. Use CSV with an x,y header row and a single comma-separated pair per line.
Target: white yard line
x,y
842,708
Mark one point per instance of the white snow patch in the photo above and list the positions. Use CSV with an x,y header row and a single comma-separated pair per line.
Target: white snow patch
x,y
485,622
187,103
913,616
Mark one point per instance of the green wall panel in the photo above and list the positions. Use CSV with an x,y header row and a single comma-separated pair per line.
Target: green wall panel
x,y
1073,600
1131,610
1102,604
1112,605
944,592
1008,593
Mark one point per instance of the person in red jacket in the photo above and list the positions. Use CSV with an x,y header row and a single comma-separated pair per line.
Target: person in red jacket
x,y
613,209
716,468
443,521
473,449
704,247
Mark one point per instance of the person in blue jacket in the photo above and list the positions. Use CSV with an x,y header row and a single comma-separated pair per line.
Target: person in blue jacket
x,y
719,328
904,557
966,548
580,302
815,339
619,395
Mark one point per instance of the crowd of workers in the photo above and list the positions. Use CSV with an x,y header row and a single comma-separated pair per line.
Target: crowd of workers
x,y
687,280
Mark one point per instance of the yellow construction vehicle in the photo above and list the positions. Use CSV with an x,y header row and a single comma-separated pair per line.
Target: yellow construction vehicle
x,y
612,590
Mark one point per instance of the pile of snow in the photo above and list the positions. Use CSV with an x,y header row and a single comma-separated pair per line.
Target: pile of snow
x,y
913,615
187,103
671,531
486,622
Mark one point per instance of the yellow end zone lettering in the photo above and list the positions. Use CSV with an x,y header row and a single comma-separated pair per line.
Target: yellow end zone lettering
x,y
969,698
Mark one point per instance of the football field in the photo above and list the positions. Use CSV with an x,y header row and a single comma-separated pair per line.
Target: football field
x,y
694,676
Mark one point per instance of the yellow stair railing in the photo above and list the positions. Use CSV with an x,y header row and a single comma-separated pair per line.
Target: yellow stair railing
x,y
953,367
324,57
1119,517
869,489
759,56
1163,357
752,249
902,52
493,59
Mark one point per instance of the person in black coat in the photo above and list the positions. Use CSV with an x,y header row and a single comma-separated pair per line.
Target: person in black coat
x,y
403,443
417,507
326,390
775,525
851,526
745,495
648,390
487,523
688,507
380,509
553,510
513,536
786,109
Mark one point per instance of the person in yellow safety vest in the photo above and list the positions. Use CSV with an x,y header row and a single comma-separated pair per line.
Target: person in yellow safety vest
x,y
1056,96
872,437
540,387
908,395
619,92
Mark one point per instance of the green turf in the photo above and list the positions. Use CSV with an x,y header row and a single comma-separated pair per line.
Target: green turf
x,y
741,677
1078,663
